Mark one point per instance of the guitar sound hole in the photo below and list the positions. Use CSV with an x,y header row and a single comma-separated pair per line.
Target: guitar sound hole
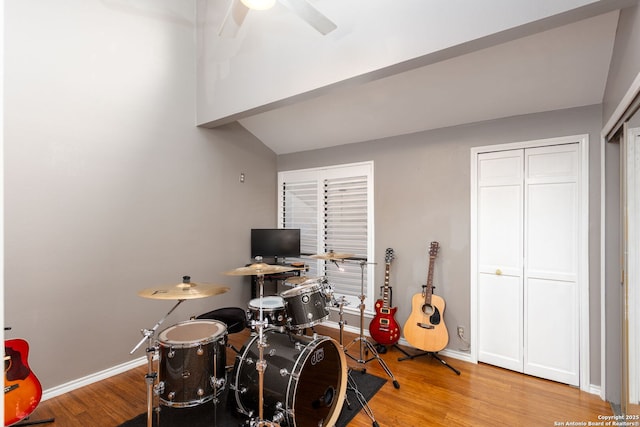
x,y
427,309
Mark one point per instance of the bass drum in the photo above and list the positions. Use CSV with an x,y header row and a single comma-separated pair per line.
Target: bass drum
x,y
305,379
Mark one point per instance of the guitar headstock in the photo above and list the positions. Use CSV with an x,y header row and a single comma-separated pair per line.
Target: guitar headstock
x,y
389,256
433,249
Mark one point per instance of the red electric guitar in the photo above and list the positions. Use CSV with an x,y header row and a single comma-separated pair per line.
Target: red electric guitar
x,y
22,390
383,327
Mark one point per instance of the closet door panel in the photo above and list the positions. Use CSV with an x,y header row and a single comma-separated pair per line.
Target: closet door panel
x,y
551,325
551,337
500,324
500,268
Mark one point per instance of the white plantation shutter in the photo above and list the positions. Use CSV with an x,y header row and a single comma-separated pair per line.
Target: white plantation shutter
x,y
333,207
346,230
299,209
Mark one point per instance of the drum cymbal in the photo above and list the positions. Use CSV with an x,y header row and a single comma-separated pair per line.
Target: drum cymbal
x,y
332,256
298,280
184,290
260,269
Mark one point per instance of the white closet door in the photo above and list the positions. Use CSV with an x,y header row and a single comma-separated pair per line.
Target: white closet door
x,y
500,254
551,295
528,241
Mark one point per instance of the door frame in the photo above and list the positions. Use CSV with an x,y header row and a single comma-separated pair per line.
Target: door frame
x,y
583,236
633,263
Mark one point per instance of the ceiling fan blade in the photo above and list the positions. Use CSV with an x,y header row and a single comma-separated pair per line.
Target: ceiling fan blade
x,y
310,15
234,18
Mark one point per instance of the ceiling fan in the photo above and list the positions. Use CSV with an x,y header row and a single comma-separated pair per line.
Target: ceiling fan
x,y
238,9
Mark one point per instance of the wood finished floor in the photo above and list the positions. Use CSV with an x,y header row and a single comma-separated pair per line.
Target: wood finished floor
x,y
430,394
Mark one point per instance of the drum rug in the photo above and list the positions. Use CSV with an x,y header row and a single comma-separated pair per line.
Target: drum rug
x,y
225,415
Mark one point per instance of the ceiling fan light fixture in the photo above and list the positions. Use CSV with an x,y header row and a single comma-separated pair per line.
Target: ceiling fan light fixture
x,y
259,4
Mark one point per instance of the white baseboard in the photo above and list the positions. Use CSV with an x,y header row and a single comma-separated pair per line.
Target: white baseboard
x,y
594,389
457,354
454,354
90,379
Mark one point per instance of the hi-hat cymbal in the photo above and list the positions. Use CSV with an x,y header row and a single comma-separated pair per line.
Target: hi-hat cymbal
x,y
260,269
332,256
184,290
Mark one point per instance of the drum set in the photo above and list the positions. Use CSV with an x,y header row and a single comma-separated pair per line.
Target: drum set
x,y
281,376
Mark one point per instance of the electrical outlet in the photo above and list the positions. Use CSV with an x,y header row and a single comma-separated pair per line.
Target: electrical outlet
x,y
460,332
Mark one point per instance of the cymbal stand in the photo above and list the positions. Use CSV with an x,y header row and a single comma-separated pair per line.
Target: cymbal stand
x,y
261,364
364,344
341,302
351,384
151,375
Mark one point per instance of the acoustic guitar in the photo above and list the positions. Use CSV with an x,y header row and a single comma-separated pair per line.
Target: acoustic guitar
x,y
383,327
425,328
22,390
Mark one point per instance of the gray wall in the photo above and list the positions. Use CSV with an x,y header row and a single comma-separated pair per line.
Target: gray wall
x,y
422,193
110,188
625,61
624,68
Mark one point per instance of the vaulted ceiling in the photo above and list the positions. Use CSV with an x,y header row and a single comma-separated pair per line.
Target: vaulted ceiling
x,y
562,66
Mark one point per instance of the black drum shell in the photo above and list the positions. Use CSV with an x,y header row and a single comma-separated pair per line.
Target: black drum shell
x,y
306,306
192,353
305,379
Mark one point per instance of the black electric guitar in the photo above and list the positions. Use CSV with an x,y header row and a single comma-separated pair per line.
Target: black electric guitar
x,y
383,327
425,328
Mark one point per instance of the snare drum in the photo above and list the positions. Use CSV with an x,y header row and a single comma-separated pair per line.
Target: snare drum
x,y
192,362
272,311
306,306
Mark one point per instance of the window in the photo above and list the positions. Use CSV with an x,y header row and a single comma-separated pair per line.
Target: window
x,y
333,208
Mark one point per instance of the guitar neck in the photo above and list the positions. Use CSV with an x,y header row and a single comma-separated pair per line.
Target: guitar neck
x,y
433,252
429,288
386,294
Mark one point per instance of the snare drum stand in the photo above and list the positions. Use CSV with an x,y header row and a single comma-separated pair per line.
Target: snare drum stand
x,y
351,384
362,340
151,375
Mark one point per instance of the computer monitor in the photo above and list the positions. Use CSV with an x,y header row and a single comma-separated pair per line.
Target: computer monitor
x,y
275,242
